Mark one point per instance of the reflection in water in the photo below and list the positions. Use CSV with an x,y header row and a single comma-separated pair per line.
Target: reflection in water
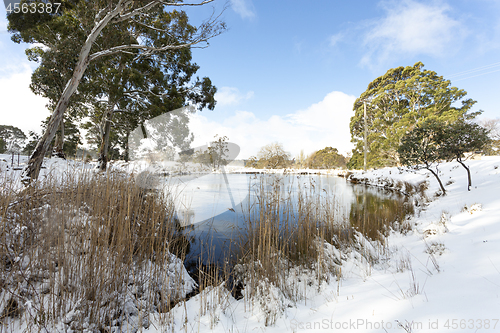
x,y
374,213
214,229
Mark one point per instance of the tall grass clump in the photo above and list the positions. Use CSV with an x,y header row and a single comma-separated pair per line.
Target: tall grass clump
x,y
297,238
93,252
292,245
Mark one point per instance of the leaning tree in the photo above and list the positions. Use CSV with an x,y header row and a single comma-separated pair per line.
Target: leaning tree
x,y
145,87
421,148
462,137
107,15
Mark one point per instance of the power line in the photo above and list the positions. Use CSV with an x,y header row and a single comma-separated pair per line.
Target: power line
x,y
471,71
464,78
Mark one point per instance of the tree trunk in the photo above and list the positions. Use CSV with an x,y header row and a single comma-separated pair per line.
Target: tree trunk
x,y
127,156
32,170
439,180
105,130
59,143
468,174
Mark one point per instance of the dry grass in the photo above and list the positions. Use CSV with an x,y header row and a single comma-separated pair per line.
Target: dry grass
x,y
91,253
287,251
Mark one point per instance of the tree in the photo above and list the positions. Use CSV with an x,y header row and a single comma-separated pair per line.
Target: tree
x,y
3,146
218,151
107,17
301,159
397,102
145,88
493,128
420,148
13,138
252,162
327,158
462,137
203,157
273,156
33,139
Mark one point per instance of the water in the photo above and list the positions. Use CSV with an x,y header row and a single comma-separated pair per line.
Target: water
x,y
213,210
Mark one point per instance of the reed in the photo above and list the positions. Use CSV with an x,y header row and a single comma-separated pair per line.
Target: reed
x,y
91,252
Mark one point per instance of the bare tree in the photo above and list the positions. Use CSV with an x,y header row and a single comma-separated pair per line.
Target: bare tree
x,y
115,12
493,128
274,156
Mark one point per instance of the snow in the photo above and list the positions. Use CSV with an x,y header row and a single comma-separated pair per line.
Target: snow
x,y
444,275
447,279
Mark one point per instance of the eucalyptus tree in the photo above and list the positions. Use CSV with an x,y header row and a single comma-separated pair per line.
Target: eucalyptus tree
x,y
148,86
57,38
13,139
326,158
398,101
95,20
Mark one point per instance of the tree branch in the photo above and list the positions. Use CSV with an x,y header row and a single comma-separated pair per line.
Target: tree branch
x,y
123,48
154,3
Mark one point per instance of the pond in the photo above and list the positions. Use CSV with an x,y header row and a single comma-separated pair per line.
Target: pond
x,y
215,210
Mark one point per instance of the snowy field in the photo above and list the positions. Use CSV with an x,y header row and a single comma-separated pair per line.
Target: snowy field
x,y
444,275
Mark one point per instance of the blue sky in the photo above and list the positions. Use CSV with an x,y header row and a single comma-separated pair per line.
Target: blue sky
x,y
289,72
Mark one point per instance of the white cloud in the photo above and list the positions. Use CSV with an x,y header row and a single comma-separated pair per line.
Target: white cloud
x,y
20,107
244,8
231,96
322,124
413,28
336,38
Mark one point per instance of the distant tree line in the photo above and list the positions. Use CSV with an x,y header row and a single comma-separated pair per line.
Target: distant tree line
x,y
274,156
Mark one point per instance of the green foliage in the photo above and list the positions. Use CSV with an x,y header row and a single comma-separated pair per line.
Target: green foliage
x,y
72,138
357,160
431,141
140,84
396,103
33,139
462,137
421,148
327,158
71,142
143,88
62,34
13,139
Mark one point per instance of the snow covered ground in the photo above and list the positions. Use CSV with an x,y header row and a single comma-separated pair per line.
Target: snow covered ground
x,y
442,276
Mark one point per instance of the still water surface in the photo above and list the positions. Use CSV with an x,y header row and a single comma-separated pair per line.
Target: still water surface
x,y
213,209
